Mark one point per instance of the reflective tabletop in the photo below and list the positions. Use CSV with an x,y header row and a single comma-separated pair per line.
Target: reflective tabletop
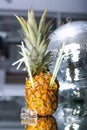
x,y
70,115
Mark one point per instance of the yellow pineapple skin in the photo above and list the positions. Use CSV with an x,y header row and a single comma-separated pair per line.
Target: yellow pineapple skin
x,y
41,97
43,123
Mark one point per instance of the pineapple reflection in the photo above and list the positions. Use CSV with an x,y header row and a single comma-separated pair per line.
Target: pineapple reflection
x,y
46,123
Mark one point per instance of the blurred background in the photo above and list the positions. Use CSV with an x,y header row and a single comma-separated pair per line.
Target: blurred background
x,y
12,81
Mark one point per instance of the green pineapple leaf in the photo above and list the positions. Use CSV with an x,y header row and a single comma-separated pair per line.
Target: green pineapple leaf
x,y
42,21
32,21
23,24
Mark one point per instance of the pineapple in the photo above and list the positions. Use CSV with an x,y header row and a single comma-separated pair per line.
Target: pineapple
x,y
40,94
42,98
43,123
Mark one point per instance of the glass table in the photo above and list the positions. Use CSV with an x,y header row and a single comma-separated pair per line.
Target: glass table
x,y
70,115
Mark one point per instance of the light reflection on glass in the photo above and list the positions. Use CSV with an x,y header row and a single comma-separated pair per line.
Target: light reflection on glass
x,y
74,50
77,110
67,127
76,74
72,76
29,121
76,92
66,86
27,114
68,119
74,126
71,55
63,33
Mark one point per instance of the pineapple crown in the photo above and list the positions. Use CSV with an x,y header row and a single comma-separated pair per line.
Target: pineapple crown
x,y
35,43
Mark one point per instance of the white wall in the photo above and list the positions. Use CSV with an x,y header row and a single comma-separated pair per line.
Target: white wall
x,y
75,6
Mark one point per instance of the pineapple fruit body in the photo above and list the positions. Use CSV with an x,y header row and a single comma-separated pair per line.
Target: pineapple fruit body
x,y
43,123
41,97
